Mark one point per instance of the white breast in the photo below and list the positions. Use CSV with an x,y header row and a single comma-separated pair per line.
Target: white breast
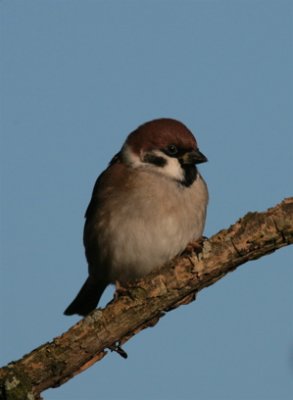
x,y
150,223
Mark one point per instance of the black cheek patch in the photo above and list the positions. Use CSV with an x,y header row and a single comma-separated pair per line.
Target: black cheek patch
x,y
156,160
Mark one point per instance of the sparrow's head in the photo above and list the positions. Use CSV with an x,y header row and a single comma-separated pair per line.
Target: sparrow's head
x,y
165,145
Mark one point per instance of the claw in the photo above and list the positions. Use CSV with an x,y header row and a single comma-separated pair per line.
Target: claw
x,y
120,290
195,247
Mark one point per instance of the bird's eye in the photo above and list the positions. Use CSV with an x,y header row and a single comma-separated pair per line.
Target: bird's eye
x,y
172,150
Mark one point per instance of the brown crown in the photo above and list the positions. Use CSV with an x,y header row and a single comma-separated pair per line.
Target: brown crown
x,y
160,133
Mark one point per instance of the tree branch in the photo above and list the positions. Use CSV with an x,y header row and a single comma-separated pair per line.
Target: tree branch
x,y
143,304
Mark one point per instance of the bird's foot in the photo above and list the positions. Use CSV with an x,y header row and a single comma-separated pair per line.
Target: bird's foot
x,y
195,246
120,290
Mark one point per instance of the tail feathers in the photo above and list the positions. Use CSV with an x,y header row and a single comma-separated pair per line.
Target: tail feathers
x,y
87,299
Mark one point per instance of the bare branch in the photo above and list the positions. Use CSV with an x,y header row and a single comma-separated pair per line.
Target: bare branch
x,y
143,304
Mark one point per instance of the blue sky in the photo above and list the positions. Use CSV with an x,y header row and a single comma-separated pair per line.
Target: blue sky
x,y
76,78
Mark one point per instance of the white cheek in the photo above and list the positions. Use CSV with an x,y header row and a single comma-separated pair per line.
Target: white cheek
x,y
172,168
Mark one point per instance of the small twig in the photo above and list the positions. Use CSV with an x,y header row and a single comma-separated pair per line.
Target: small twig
x,y
118,349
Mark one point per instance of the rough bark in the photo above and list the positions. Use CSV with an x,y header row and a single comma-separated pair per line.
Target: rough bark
x,y
143,304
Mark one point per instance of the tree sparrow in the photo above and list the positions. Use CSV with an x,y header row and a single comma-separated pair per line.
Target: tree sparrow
x,y
145,208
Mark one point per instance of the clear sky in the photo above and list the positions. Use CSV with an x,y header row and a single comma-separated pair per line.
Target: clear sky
x,y
76,78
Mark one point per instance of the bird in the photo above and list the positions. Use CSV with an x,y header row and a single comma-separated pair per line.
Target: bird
x,y
146,207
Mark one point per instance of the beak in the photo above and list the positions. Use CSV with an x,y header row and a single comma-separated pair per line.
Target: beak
x,y
193,157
